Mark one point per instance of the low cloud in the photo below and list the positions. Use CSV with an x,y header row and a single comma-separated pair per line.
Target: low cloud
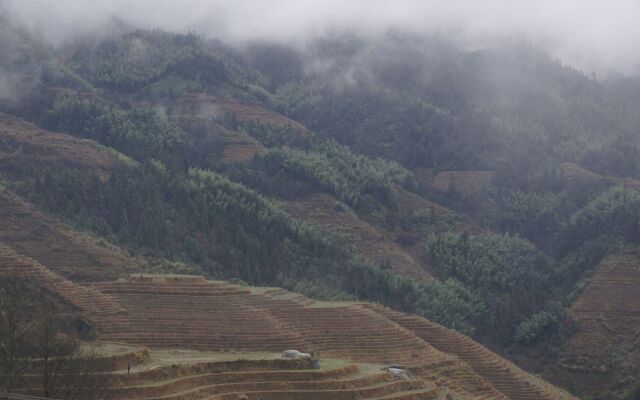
x,y
592,35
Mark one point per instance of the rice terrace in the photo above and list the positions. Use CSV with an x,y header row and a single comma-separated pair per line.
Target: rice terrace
x,y
319,200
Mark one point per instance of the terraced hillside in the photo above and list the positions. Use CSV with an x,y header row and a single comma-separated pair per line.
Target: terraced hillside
x,y
86,300
237,145
411,204
23,144
183,375
507,377
200,111
270,379
604,350
191,312
376,243
39,235
205,106
43,237
465,182
574,171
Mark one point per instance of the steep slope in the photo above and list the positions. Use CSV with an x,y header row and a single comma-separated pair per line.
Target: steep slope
x,y
186,375
23,144
507,377
574,171
202,105
223,118
171,311
403,249
465,182
373,242
411,204
603,354
87,301
39,235
264,377
43,237
237,145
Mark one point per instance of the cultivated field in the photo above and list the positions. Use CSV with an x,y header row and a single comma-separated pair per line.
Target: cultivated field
x,y
169,312
215,340
376,243
43,237
604,349
25,144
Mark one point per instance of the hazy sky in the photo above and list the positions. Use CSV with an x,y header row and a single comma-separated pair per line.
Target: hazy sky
x,y
594,35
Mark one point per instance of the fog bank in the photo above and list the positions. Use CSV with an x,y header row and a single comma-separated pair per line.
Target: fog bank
x,y
592,35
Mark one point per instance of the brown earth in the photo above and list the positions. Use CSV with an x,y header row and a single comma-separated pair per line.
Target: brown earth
x,y
261,376
410,204
184,375
189,312
174,312
242,152
208,112
22,143
605,351
374,243
574,171
465,182
504,375
212,107
86,301
238,146
39,235
43,237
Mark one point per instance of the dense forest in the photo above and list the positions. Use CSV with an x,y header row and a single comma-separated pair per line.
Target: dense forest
x,y
382,113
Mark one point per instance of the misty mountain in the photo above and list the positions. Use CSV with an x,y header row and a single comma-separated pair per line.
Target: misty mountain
x,y
495,178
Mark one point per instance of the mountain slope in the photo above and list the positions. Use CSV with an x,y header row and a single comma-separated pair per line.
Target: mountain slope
x,y
86,300
75,255
225,177
603,353
375,243
168,311
25,144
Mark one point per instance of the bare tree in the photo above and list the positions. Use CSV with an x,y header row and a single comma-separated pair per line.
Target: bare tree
x,y
67,369
85,376
39,349
17,323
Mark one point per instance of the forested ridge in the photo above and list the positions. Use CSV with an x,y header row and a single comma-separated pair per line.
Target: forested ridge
x,y
383,114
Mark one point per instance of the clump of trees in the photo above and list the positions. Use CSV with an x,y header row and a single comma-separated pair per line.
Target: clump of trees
x,y
279,135
430,106
132,61
613,213
232,231
531,215
536,327
508,273
40,350
139,133
366,184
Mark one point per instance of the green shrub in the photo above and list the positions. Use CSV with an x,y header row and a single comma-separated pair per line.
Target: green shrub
x,y
535,328
615,213
365,184
508,274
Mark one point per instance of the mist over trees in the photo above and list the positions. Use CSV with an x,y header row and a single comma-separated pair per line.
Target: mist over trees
x,y
387,112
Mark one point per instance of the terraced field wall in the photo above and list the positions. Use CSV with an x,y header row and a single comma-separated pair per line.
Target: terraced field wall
x,y
191,312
